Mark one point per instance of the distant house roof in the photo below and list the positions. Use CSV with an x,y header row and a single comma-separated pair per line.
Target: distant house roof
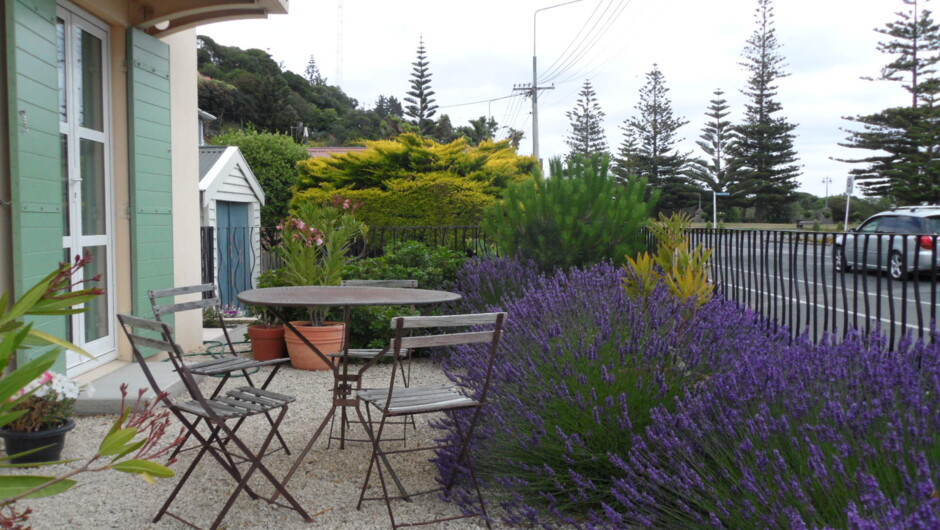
x,y
330,151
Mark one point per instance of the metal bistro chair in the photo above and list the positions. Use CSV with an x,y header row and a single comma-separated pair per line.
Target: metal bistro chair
x,y
397,402
224,366
222,442
368,354
371,353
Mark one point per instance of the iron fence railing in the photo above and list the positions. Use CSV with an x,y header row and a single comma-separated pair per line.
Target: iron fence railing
x,y
234,257
790,278
828,283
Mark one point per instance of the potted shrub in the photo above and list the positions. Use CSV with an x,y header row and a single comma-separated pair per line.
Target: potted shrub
x,y
315,244
266,335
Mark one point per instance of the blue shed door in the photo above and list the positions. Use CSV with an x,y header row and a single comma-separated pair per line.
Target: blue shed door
x,y
234,240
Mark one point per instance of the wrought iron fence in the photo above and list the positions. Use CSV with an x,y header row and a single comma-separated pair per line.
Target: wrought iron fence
x,y
788,277
828,283
234,257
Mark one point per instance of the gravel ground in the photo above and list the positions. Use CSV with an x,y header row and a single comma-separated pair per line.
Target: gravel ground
x,y
327,485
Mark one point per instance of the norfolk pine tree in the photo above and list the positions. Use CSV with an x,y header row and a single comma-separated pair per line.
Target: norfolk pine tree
x,y
904,140
587,135
714,141
421,107
765,168
649,146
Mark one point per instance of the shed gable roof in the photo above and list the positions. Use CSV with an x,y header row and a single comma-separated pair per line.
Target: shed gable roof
x,y
218,163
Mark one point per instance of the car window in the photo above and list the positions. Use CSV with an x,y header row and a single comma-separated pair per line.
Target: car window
x,y
933,224
889,225
871,225
907,225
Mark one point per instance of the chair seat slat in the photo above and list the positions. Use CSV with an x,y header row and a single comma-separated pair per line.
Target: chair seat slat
x,y
240,404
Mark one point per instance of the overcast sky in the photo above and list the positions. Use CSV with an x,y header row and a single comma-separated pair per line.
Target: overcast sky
x,y
478,50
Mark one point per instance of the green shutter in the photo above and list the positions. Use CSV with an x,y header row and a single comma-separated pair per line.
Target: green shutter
x,y
151,186
35,160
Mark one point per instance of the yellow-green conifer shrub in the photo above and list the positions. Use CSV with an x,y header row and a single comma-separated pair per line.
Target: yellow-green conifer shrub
x,y
410,156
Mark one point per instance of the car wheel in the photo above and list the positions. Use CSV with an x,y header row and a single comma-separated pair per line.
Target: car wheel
x,y
896,267
838,258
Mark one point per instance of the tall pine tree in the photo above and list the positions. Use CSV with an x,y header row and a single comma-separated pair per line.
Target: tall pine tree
x,y
313,73
421,107
905,140
714,141
765,168
649,147
587,135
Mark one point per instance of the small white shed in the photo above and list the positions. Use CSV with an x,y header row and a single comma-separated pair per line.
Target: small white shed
x,y
230,201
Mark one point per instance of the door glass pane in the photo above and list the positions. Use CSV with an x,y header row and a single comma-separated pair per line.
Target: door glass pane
x,y
60,60
69,327
96,318
64,143
93,199
91,109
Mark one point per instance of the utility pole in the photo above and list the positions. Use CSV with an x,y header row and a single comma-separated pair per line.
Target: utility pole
x,y
534,88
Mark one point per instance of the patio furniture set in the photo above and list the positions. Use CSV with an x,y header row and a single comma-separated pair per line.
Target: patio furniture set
x,y
212,421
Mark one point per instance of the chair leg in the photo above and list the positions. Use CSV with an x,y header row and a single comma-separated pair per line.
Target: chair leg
x,y
257,465
465,455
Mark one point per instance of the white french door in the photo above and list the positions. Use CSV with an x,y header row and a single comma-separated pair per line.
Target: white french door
x,y
84,130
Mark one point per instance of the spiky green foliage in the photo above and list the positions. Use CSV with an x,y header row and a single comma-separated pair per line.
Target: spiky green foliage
x,y
649,148
421,107
904,141
715,141
587,135
765,162
576,217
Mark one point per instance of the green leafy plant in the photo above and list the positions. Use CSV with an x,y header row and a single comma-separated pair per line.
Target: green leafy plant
x,y
434,267
123,450
576,217
315,244
683,270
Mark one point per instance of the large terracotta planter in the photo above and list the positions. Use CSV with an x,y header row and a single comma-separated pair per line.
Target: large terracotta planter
x,y
267,343
327,338
53,441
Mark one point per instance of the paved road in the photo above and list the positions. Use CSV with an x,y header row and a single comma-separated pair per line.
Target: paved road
x,y
793,283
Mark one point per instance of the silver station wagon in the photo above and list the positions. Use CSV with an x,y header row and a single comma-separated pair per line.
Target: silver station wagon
x,y
901,241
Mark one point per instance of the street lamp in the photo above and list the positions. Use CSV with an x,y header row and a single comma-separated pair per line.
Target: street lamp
x,y
827,180
535,80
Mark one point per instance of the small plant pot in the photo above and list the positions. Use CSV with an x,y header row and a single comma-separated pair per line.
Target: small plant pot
x,y
52,442
327,338
267,343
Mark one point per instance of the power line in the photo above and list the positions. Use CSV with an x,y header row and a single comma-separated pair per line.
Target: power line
x,y
550,73
597,37
586,21
475,102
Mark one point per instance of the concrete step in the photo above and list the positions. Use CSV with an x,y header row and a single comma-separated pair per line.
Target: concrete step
x,y
106,398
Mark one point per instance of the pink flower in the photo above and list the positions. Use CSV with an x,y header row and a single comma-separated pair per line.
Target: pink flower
x,y
319,241
346,204
280,227
46,377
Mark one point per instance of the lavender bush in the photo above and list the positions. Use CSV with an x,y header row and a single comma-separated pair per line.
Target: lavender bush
x,y
610,412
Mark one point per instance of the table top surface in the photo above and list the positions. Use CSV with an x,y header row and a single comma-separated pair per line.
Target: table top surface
x,y
318,295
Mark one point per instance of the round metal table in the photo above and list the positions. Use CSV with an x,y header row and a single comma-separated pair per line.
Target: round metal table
x,y
275,298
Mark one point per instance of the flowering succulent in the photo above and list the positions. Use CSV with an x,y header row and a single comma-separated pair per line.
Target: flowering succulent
x,y
315,244
48,402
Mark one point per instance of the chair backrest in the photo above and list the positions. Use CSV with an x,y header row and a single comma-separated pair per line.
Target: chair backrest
x,y
135,329
407,284
210,298
478,321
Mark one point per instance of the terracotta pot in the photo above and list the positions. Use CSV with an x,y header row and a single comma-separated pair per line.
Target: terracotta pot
x,y
327,338
53,441
267,343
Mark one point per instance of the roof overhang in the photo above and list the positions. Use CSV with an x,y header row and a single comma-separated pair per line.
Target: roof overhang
x,y
165,17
